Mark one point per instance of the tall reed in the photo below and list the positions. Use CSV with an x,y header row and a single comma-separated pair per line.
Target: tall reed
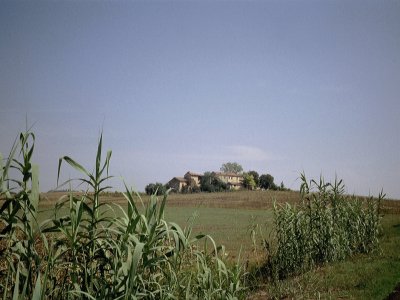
x,y
96,250
326,226
19,229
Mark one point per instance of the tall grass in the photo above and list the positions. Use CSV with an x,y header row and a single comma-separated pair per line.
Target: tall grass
x,y
20,260
90,249
327,226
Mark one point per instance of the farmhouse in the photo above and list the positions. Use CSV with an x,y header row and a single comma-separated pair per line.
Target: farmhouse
x,y
193,177
190,178
234,181
177,183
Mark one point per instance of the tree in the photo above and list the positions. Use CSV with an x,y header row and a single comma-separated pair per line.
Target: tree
x,y
153,188
209,182
267,182
149,189
283,188
205,182
192,187
256,177
231,167
248,181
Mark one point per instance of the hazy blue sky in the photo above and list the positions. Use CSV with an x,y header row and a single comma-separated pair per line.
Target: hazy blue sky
x,y
278,86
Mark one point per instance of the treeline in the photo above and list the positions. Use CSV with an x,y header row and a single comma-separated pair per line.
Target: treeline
x,y
156,188
252,180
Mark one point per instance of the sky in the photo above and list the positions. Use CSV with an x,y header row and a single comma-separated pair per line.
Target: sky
x,y
281,87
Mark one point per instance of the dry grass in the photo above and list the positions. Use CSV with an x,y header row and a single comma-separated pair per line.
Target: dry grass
x,y
238,199
391,207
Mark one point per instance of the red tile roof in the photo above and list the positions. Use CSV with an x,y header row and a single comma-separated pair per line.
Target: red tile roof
x,y
194,174
228,174
181,179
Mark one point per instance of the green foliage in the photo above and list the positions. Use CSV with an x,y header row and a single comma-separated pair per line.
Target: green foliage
x,y
93,250
231,167
155,188
266,181
19,228
210,182
192,187
248,181
326,227
256,177
187,189
283,188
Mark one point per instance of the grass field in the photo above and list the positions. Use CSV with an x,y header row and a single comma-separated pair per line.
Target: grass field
x,y
229,216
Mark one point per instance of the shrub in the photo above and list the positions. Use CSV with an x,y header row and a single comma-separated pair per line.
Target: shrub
x,y
188,189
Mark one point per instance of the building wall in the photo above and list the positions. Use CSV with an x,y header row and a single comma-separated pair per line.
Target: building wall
x,y
190,177
230,178
176,184
236,186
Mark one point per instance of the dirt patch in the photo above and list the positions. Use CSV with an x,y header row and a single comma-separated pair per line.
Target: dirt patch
x,y
395,295
259,295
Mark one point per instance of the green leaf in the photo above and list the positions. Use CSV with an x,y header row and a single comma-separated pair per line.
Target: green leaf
x,y
37,292
137,255
98,156
34,194
73,164
16,286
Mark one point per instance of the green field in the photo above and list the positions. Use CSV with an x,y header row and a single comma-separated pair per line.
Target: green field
x,y
224,216
235,234
228,217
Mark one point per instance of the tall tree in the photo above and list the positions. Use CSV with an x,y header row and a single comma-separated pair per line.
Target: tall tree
x,y
256,177
209,182
267,182
231,167
153,188
248,181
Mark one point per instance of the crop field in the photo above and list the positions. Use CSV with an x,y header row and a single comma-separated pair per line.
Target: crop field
x,y
227,216
230,217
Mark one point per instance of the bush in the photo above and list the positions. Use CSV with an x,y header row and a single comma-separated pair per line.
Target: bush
x,y
188,189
